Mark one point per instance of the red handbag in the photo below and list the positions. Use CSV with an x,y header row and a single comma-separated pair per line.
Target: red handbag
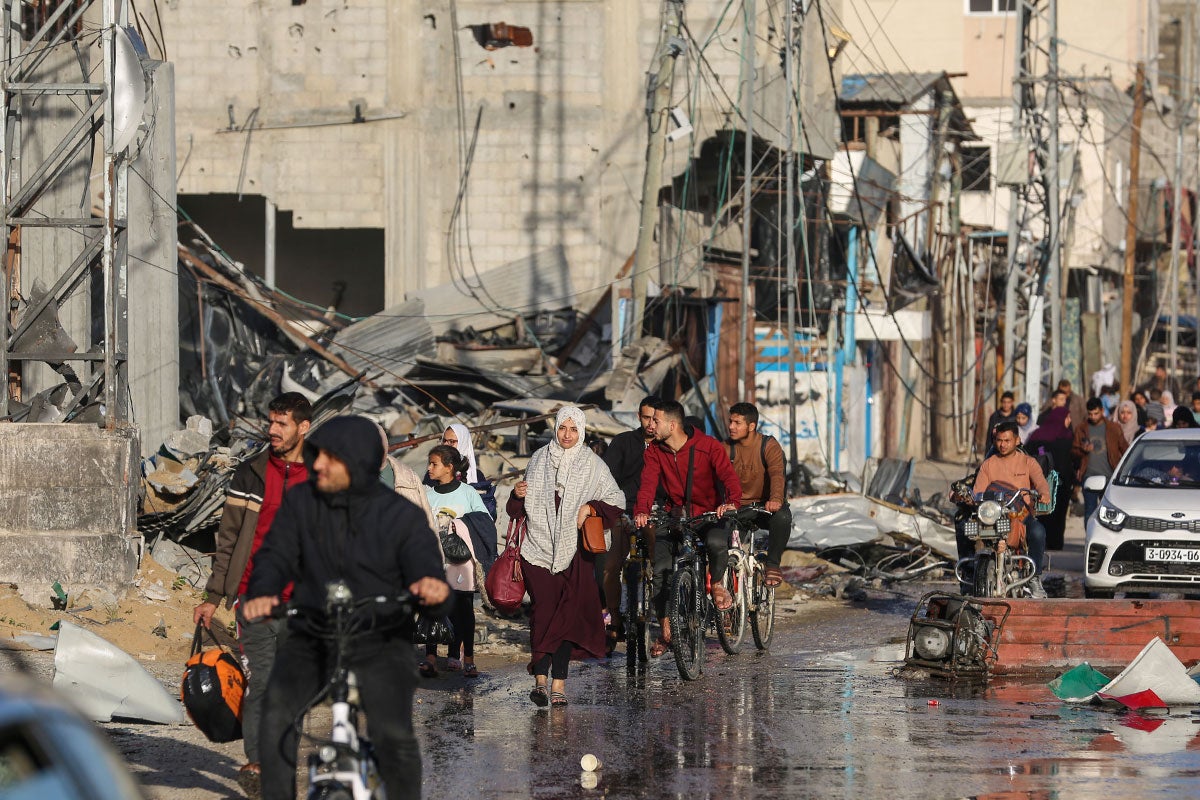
x,y
504,583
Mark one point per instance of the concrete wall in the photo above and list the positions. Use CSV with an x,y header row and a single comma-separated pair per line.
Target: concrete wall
x,y
559,155
153,365
67,505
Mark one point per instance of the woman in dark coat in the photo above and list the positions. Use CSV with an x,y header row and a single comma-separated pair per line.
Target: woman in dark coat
x,y
1053,438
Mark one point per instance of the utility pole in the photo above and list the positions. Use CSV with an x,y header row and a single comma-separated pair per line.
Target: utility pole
x,y
749,48
658,92
1131,212
1054,271
1176,232
789,162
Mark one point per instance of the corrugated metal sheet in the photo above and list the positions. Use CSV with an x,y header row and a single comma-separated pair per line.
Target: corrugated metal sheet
x,y
390,341
895,88
541,282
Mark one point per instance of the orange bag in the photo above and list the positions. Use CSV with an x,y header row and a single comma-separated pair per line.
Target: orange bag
x,y
593,535
212,690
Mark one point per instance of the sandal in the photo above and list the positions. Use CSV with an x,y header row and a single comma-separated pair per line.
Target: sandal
x,y
659,647
427,670
453,665
774,577
558,699
721,598
470,671
539,696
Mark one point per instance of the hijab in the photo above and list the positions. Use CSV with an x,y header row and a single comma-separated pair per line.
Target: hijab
x,y
1053,427
1030,425
560,481
1130,428
466,451
1168,405
1183,418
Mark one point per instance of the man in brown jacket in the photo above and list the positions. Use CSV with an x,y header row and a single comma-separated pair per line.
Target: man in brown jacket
x,y
1098,446
253,497
759,463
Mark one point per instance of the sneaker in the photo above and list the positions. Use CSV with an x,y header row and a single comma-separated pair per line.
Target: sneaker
x,y
1036,590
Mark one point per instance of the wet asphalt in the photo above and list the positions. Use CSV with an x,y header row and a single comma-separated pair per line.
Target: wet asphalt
x,y
824,714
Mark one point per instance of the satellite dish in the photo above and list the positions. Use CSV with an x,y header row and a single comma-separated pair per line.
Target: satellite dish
x,y
129,92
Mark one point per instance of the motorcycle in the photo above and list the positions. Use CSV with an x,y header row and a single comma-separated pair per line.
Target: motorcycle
x,y
995,521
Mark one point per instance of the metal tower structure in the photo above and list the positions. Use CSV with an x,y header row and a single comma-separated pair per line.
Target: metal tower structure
x,y
34,35
1035,274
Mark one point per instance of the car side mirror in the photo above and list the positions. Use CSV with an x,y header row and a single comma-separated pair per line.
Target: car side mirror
x,y
1096,483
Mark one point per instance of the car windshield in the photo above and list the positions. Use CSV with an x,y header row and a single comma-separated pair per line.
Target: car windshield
x,y
1163,464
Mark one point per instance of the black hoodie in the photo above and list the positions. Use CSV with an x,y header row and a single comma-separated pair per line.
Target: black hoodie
x,y
369,536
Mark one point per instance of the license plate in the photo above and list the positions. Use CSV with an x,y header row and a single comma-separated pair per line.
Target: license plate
x,y
1173,554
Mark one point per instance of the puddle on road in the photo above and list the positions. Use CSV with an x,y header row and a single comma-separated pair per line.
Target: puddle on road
x,y
799,726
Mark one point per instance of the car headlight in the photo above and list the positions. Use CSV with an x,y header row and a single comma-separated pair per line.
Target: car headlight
x,y
1110,517
989,511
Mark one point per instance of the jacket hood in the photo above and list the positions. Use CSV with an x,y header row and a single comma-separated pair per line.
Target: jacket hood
x,y
354,441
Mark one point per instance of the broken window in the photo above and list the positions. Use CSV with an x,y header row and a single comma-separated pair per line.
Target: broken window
x,y
991,6
495,35
976,169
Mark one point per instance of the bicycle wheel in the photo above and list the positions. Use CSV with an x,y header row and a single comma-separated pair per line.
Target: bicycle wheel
x,y
686,610
762,615
637,617
731,624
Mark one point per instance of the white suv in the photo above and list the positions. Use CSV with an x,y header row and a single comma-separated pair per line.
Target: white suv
x,y
1145,535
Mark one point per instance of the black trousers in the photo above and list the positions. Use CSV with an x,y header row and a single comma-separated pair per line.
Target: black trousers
x,y
716,542
386,672
260,641
778,526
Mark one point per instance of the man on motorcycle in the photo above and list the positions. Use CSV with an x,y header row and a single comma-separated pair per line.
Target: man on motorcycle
x,y
1020,471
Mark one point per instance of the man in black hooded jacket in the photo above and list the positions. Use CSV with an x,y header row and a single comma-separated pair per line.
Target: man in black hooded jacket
x,y
344,524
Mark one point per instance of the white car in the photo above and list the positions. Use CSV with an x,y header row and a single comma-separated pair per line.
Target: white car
x,y
1145,534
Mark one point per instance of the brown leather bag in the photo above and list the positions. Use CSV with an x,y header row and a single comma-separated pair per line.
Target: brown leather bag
x,y
593,535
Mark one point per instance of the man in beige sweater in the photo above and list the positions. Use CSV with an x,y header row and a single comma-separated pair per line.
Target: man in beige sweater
x,y
759,463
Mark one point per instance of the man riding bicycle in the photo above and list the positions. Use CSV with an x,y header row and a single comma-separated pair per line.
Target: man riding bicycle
x,y
759,463
693,470
344,524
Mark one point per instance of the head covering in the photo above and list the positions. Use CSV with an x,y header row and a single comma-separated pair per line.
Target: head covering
x,y
355,442
1155,412
1183,418
1168,406
576,476
1053,427
1130,428
1026,430
466,451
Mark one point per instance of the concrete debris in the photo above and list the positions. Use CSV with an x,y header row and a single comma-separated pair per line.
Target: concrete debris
x,y
155,592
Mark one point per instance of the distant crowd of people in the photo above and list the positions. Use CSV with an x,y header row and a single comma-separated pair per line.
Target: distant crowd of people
x,y
1083,438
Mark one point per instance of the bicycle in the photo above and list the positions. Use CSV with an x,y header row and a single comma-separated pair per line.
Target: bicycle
x,y
748,563
344,766
637,601
688,603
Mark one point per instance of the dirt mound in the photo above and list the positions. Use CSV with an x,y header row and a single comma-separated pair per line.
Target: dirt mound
x,y
151,621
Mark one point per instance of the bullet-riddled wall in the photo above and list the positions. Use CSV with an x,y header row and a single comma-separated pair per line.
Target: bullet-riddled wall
x,y
369,114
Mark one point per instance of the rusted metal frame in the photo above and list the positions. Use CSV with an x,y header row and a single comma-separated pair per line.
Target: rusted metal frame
x,y
268,312
491,426
39,47
69,281
55,88
84,392
54,164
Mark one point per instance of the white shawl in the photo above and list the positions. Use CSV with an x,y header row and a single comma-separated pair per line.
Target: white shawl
x,y
467,451
579,476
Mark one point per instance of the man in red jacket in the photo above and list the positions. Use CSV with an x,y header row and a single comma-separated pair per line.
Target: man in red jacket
x,y
680,451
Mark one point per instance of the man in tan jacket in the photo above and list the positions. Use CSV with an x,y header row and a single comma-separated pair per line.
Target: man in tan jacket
x,y
759,463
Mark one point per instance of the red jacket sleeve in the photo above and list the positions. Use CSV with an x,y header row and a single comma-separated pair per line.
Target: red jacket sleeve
x,y
651,469
726,472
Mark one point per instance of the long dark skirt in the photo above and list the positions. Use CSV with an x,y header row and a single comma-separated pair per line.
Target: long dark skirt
x,y
1056,522
566,608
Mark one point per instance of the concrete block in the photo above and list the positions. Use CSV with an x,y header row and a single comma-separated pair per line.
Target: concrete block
x,y
68,501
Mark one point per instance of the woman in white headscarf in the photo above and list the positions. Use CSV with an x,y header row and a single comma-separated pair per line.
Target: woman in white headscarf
x,y
1168,406
458,437
565,483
